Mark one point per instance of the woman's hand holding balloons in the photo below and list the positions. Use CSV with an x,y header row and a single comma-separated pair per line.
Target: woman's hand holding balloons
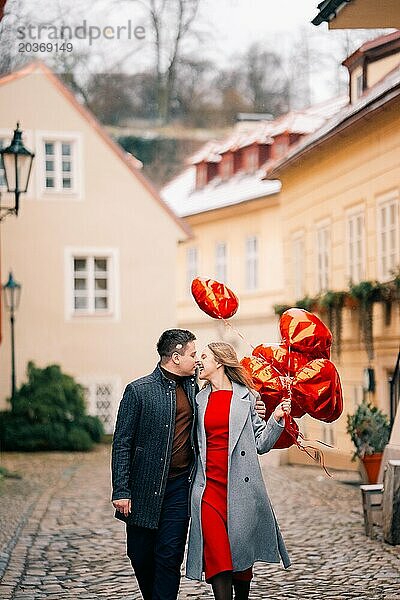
x,y
282,409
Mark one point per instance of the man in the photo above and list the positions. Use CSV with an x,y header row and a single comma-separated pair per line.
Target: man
x,y
152,463
152,456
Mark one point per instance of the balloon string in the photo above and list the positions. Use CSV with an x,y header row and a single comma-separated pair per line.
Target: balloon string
x,y
328,445
314,453
239,333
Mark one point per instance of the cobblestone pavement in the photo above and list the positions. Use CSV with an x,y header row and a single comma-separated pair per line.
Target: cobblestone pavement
x,y
59,539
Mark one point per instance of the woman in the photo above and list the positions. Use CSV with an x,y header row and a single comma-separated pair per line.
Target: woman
x,y
233,524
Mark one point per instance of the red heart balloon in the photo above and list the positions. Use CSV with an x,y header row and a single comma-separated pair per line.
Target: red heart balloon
x,y
268,381
318,390
305,332
265,377
214,298
278,355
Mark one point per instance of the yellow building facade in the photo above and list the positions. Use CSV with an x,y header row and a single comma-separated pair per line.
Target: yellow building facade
x,y
340,203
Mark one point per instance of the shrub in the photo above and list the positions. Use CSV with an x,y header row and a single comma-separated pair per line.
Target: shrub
x,y
93,426
79,439
48,413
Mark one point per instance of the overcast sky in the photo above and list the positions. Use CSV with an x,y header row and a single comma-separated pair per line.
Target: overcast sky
x,y
230,27
242,20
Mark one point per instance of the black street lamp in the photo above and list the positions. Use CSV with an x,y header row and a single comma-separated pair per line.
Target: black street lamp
x,y
16,161
12,295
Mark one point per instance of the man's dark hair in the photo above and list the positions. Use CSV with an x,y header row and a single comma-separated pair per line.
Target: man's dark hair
x,y
174,340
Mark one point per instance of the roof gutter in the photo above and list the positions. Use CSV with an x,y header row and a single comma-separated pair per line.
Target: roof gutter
x,y
329,10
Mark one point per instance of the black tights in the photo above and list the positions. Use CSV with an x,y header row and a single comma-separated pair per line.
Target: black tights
x,y
222,587
242,589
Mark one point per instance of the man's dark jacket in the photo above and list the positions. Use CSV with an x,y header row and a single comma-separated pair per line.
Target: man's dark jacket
x,y
142,444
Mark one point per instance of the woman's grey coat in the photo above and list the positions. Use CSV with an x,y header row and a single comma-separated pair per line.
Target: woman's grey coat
x,y
253,531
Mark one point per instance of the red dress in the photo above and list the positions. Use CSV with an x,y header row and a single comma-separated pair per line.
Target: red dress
x,y
217,551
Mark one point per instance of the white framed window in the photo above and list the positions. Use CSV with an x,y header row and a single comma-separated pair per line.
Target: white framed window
x,y
92,276
221,261
388,235
323,255
192,266
298,262
251,262
102,398
59,164
355,242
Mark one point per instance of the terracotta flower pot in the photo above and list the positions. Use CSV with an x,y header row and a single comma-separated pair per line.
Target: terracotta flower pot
x,y
371,464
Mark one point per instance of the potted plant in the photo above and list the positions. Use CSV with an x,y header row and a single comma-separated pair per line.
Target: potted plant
x,y
369,430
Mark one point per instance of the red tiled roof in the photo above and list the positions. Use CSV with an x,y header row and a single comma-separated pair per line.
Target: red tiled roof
x,y
263,132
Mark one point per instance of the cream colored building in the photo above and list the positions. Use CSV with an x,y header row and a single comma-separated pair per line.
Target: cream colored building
x,y
340,202
94,248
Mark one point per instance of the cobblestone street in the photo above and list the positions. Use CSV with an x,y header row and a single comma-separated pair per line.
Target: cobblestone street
x,y
59,538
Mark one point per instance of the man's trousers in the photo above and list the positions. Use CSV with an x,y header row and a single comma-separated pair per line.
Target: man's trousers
x,y
157,554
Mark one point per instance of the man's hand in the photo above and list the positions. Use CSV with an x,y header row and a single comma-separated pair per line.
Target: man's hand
x,y
123,506
282,409
260,408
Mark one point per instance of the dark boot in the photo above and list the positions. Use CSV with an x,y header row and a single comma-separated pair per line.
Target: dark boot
x,y
222,586
242,589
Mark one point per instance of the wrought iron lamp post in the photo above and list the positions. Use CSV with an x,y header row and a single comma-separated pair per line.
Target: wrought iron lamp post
x,y
16,161
12,295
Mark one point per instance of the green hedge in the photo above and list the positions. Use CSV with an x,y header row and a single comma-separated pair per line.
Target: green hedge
x,y
48,413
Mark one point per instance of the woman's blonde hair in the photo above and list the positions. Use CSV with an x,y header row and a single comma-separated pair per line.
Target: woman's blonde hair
x,y
226,355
